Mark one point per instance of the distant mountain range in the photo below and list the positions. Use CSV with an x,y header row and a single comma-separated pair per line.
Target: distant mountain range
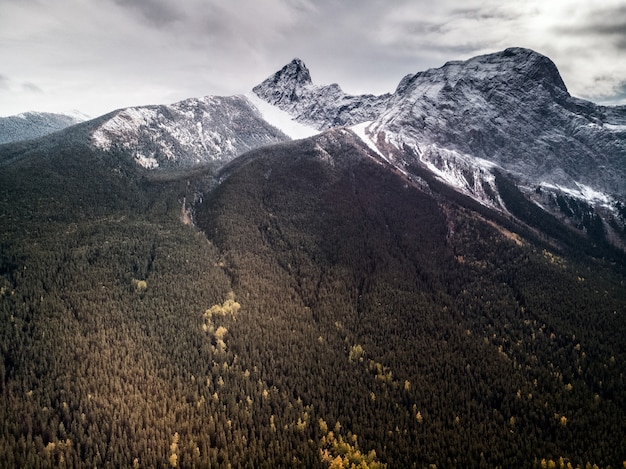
x,y
31,125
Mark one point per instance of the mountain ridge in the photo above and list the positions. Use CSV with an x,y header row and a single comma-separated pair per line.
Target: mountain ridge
x,y
192,132
508,111
321,106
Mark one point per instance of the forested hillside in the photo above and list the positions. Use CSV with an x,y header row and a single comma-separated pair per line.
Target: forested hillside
x,y
323,311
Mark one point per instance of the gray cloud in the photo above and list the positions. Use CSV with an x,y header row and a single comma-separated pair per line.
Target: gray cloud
x,y
4,82
156,12
482,14
129,52
600,22
31,88
620,96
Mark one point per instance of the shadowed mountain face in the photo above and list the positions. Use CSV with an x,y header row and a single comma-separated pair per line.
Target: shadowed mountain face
x,y
403,299
327,200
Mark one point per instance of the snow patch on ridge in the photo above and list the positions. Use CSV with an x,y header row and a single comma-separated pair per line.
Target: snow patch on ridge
x,y
280,119
615,127
125,122
585,193
361,131
147,162
468,174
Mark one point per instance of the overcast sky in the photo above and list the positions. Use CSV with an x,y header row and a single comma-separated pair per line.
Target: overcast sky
x,y
99,55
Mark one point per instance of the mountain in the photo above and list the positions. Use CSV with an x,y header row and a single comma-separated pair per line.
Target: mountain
x,y
477,126
31,125
325,305
189,133
215,130
510,110
330,300
322,107
507,112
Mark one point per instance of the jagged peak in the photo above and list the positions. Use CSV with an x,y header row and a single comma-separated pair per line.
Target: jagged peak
x,y
296,71
285,84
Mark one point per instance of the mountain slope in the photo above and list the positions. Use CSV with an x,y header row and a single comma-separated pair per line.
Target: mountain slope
x,y
189,133
410,317
33,125
332,306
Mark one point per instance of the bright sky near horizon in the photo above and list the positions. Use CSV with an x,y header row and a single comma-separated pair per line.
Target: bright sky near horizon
x,y
95,56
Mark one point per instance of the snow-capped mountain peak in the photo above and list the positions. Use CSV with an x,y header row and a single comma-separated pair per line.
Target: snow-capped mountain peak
x,y
193,132
286,85
511,109
319,106
515,67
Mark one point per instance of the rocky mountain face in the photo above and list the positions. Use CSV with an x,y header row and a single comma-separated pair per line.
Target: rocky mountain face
x,y
511,110
322,107
31,125
189,133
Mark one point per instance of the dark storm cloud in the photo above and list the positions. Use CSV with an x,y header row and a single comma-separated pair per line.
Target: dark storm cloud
x,y
422,27
482,14
609,23
156,12
614,30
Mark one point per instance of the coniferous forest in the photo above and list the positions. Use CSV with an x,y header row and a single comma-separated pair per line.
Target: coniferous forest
x,y
304,307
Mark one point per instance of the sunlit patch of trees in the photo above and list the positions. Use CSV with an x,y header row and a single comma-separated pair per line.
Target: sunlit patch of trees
x,y
340,453
228,307
140,285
